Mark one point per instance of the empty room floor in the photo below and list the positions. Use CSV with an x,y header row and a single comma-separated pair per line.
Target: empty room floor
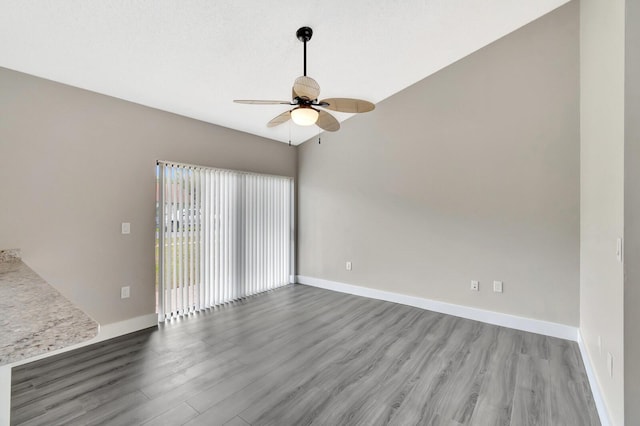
x,y
301,355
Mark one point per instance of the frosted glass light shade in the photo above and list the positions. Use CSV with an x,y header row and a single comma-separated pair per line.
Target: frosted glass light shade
x,y
304,116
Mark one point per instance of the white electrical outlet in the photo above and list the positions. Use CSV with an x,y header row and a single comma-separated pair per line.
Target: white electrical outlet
x,y
497,286
610,363
475,285
348,266
126,228
125,292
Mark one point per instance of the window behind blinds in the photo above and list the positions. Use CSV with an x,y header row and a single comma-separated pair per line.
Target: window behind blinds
x,y
223,235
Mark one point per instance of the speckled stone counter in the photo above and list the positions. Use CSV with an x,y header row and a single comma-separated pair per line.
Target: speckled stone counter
x,y
34,317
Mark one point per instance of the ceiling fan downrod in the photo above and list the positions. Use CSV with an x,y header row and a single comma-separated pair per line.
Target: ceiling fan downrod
x,y
304,35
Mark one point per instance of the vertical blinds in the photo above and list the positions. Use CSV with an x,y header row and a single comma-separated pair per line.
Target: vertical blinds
x,y
223,235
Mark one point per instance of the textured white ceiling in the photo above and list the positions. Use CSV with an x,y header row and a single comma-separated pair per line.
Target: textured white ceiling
x,y
194,57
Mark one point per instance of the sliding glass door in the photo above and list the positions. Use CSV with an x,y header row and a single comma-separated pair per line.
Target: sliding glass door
x,y
222,235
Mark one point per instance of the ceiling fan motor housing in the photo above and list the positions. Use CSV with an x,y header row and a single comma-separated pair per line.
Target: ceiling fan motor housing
x,y
306,87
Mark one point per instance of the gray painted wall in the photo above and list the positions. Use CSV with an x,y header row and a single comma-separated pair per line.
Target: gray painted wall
x,y
602,193
75,164
472,173
632,214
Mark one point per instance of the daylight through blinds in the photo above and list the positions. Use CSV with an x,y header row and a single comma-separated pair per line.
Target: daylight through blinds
x,y
223,235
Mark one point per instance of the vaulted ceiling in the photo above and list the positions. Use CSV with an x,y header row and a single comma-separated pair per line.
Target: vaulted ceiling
x,y
194,57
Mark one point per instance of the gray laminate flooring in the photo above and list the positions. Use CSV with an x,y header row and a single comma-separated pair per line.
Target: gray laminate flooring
x,y
301,355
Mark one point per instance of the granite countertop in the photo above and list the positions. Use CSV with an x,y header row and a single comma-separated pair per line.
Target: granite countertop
x,y
35,318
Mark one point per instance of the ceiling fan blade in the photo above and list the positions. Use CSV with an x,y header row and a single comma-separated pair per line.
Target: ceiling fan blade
x,y
348,105
282,118
327,122
306,87
259,102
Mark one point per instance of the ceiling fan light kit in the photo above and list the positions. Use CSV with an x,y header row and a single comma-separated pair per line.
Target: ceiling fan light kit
x,y
305,94
304,116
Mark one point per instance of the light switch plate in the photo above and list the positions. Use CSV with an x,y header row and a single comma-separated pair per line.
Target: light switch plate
x,y
497,286
125,292
126,228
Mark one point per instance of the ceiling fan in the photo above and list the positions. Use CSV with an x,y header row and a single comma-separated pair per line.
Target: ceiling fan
x,y
304,98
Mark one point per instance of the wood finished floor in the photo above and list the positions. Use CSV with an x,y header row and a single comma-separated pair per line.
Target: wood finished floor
x,y
301,355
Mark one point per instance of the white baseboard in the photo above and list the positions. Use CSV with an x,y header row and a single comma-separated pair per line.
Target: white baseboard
x,y
546,328
593,382
121,328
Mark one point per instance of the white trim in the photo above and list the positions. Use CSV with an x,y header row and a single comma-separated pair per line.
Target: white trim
x,y
196,166
5,394
593,382
116,329
546,328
